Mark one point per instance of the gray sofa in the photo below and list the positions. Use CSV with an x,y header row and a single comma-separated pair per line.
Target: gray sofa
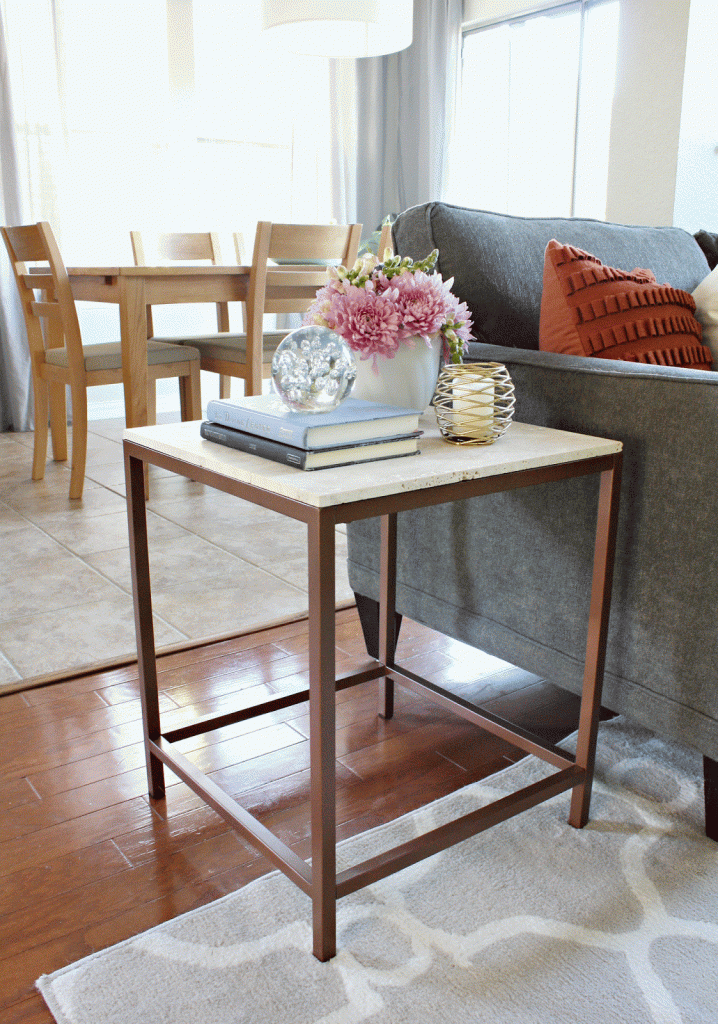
x,y
510,573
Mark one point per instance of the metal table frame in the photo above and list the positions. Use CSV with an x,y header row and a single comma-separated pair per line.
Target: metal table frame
x,y
319,879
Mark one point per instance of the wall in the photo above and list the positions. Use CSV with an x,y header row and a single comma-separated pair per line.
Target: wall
x,y
646,119
696,197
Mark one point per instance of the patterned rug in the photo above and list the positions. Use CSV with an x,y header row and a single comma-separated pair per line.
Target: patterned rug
x,y
533,922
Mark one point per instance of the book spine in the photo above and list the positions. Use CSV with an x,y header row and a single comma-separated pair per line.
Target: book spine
x,y
257,423
254,445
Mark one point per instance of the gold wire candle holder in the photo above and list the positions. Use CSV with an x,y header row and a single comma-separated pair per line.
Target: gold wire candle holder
x,y
474,402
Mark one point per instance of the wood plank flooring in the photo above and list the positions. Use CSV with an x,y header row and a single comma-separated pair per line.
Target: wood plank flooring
x,y
86,860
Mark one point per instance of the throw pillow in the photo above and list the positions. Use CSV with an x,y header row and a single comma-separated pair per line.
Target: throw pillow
x,y
588,309
706,299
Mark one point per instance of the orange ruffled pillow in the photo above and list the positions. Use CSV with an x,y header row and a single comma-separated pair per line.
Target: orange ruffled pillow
x,y
588,309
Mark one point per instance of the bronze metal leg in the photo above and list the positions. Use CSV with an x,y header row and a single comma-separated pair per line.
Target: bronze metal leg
x,y
387,605
322,740
144,627
604,553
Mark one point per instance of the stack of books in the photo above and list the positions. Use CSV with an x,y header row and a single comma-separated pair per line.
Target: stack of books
x,y
356,431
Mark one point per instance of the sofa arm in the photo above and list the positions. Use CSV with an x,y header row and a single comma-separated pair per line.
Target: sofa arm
x,y
515,575
669,412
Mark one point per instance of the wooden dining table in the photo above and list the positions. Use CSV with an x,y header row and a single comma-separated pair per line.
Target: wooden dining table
x,y
133,289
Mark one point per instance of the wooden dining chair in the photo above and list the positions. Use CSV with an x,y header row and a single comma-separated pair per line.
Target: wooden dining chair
x,y
385,241
191,247
289,264
59,357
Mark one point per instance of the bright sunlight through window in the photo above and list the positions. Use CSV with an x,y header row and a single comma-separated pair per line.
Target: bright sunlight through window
x,y
534,114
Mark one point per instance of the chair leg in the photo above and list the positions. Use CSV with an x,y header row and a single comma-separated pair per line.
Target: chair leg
x,y
151,402
39,457
58,422
225,386
79,440
191,394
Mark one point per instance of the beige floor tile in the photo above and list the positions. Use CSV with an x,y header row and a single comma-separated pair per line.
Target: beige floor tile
x,y
86,534
56,641
218,517
70,583
10,520
205,607
29,551
33,496
294,570
7,672
219,564
174,559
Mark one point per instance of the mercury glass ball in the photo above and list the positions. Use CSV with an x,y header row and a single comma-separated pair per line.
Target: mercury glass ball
x,y
313,369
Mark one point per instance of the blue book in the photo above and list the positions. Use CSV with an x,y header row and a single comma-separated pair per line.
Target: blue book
x,y
353,421
315,458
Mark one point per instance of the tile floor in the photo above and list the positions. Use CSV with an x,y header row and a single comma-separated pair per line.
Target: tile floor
x,y
65,590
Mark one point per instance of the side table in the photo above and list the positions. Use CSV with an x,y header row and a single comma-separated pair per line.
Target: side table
x,y
524,456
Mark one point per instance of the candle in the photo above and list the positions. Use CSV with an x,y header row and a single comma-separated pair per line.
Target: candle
x,y
473,407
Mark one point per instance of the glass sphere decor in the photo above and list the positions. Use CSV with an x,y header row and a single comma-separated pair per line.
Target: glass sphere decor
x,y
313,369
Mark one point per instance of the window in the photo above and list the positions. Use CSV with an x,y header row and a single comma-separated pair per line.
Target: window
x,y
534,114
162,115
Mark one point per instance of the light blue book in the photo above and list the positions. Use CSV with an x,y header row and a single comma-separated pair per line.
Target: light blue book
x,y
353,420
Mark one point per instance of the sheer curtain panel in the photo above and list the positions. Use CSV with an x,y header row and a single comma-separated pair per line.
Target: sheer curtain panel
x,y
405,105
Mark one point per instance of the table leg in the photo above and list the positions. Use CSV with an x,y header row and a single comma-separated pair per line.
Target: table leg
x,y
133,334
603,560
387,605
144,626
322,719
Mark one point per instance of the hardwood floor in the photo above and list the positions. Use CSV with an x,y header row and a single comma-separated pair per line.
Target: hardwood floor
x,y
86,861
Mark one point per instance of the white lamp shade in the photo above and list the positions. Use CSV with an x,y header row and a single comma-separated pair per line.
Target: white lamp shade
x,y
335,28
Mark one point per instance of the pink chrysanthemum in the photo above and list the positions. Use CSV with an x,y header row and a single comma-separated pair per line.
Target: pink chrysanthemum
x,y
422,303
458,315
367,321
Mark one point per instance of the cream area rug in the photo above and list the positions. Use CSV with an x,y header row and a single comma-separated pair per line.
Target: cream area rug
x,y
533,922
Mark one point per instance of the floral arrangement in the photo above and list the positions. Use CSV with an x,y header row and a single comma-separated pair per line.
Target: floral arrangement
x,y
379,305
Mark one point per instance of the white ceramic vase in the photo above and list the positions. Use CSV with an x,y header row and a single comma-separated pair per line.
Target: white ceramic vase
x,y
408,380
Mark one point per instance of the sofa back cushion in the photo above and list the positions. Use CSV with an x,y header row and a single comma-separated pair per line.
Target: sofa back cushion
x,y
589,309
497,260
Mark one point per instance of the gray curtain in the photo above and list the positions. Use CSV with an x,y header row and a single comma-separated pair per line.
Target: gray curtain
x,y
404,111
15,378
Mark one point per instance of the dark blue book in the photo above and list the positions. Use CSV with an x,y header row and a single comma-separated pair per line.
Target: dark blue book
x,y
315,458
350,423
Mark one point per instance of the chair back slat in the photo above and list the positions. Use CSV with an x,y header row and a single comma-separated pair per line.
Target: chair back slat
x,y
25,243
313,241
386,241
290,289
181,247
48,310
189,246
36,243
44,282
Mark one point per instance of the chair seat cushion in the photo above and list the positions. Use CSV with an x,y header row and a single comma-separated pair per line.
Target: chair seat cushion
x,y
230,347
108,355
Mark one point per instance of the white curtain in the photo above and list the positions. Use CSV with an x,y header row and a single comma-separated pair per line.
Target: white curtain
x,y
15,388
397,155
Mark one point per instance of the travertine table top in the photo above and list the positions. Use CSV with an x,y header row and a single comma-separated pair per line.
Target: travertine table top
x,y
523,446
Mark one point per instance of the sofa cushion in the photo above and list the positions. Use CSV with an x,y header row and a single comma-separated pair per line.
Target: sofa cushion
x,y
589,309
496,260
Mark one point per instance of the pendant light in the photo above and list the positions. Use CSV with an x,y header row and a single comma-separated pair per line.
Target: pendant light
x,y
335,28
